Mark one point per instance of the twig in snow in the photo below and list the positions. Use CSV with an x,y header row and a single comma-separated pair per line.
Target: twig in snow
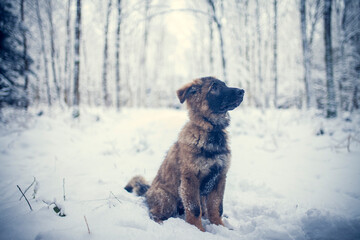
x,y
87,225
115,197
109,201
345,143
36,188
28,188
64,188
24,197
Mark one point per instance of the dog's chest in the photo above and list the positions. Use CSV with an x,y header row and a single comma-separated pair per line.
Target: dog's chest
x,y
210,172
215,143
212,161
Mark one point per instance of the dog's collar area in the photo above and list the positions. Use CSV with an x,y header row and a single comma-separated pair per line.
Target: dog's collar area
x,y
221,123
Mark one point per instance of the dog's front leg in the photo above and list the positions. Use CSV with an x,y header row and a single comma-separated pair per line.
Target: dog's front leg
x,y
190,195
215,202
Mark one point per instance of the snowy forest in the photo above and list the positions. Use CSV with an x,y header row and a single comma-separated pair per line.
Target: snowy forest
x,y
303,54
88,100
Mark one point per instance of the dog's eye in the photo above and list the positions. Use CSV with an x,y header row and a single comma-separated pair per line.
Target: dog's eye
x,y
215,88
193,90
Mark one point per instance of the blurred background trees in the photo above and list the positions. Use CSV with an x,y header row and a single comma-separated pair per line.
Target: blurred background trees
x,y
14,58
135,53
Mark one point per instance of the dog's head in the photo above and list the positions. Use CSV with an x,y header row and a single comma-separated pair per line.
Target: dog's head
x,y
209,96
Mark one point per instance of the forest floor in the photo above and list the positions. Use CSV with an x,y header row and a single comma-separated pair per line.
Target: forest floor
x,y
294,175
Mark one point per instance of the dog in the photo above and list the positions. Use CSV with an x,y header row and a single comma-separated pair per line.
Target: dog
x,y
192,177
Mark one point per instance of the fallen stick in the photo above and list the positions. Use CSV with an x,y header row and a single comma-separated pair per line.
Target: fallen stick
x,y
24,197
87,225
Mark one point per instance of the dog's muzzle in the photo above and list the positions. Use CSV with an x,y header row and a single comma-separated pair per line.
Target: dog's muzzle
x,y
234,100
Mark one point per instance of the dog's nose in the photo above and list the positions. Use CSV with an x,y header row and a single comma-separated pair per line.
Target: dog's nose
x,y
240,92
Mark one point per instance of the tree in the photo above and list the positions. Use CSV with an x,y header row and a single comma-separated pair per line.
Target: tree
x,y
106,96
275,55
13,62
67,71
142,88
331,99
52,47
218,24
350,56
43,51
117,56
211,40
305,49
306,45
76,112
259,54
25,52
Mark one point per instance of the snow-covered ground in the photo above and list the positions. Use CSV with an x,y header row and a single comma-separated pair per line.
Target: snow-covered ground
x,y
292,176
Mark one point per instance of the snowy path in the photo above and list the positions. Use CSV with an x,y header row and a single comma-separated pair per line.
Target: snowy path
x,y
285,182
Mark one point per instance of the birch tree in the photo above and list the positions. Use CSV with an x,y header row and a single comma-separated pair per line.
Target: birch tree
x,y
218,25
67,71
211,43
330,88
350,55
143,60
43,51
305,49
307,43
275,48
52,47
259,54
25,47
76,101
117,56
106,96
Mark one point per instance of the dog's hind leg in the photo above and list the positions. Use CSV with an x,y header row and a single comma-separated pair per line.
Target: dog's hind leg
x,y
162,205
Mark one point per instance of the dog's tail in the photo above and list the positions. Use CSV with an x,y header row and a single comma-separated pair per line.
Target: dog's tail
x,y
138,185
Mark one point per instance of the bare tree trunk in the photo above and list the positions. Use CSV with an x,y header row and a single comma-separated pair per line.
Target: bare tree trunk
x,y
266,52
331,99
247,43
275,55
106,96
67,56
260,78
247,50
340,64
41,30
211,42
87,73
52,45
351,26
143,61
117,56
76,112
221,38
37,85
305,48
25,57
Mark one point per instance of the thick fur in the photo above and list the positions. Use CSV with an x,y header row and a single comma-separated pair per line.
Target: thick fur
x,y
192,177
138,185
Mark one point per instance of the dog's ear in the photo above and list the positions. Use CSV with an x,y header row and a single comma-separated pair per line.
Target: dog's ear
x,y
183,92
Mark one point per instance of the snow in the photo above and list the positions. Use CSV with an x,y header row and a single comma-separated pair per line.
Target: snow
x,y
286,180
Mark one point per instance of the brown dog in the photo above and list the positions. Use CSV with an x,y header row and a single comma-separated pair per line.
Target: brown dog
x,y
192,176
